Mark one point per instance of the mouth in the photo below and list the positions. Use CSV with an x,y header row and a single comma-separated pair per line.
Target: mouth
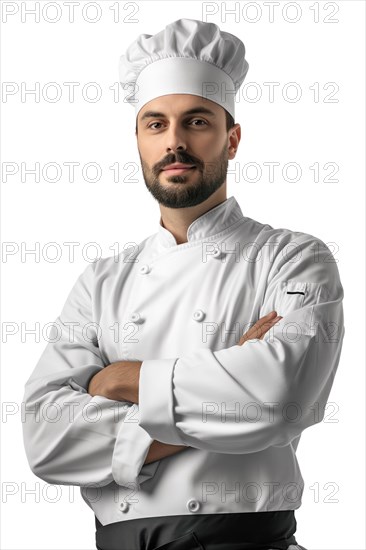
x,y
179,170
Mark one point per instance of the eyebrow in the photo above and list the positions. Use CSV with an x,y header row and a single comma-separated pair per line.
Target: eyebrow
x,y
194,111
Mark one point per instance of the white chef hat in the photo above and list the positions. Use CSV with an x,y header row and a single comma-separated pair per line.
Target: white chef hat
x,y
187,57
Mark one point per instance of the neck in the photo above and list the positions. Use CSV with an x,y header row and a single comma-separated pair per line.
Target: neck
x,y
177,220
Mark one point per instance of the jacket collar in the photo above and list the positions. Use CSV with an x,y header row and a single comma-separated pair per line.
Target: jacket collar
x,y
210,223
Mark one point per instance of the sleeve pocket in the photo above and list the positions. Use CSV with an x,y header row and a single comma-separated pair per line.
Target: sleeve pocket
x,y
297,294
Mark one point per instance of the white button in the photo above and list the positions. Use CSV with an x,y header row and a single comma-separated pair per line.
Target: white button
x,y
193,505
145,269
124,506
198,315
136,317
216,253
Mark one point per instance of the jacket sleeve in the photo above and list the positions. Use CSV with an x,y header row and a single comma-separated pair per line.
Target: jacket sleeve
x,y
70,437
243,399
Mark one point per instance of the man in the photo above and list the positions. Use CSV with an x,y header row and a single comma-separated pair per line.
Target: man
x,y
199,391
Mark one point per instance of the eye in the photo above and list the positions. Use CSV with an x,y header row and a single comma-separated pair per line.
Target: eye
x,y
152,124
199,120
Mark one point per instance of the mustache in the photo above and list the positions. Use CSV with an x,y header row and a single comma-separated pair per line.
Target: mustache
x,y
183,158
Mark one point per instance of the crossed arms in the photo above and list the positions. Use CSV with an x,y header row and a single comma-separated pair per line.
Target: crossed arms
x,y
73,378
120,381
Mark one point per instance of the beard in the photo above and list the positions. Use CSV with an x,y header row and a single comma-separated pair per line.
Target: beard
x,y
182,191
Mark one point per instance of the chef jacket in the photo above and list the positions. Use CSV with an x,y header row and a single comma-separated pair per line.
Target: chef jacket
x,y
181,310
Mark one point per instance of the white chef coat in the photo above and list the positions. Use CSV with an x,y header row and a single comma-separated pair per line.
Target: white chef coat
x,y
181,309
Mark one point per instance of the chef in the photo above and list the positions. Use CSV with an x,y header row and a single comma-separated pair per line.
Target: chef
x,y
183,374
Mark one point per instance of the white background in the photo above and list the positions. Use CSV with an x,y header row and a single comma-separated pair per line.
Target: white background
x,y
331,454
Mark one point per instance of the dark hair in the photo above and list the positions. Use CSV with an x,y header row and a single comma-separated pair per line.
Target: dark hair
x,y
229,121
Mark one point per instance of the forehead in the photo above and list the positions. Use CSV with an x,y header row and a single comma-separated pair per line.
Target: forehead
x,y
176,105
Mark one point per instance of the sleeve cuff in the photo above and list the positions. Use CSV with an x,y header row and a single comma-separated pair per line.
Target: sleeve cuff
x,y
130,450
156,400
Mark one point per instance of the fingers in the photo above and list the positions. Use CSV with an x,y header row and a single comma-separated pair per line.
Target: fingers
x,y
261,327
267,326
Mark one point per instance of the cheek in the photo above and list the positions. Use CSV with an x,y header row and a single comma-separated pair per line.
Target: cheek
x,y
211,153
146,157
208,145
151,150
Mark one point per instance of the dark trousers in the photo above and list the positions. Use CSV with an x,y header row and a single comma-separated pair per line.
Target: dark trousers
x,y
243,531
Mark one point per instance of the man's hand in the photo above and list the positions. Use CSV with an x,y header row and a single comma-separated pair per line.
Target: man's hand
x,y
259,329
159,450
118,381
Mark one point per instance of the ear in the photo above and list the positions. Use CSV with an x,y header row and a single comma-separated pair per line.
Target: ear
x,y
234,140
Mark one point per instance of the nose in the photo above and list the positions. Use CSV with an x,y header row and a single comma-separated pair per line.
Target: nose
x,y
175,139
